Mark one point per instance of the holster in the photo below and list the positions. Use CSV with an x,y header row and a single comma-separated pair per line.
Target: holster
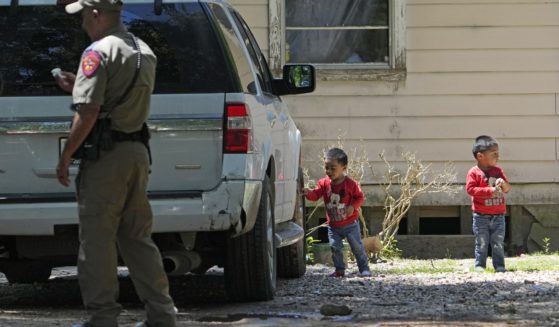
x,y
99,138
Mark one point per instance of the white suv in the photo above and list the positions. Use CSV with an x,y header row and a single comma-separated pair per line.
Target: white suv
x,y
225,174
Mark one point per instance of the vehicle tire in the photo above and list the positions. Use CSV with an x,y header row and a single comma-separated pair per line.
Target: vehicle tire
x,y
250,268
292,258
27,272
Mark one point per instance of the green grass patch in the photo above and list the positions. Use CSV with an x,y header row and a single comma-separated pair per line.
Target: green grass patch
x,y
534,262
411,266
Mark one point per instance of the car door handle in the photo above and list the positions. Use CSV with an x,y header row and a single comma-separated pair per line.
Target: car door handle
x,y
284,120
272,118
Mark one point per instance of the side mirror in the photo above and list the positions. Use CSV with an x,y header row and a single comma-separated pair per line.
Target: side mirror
x,y
297,79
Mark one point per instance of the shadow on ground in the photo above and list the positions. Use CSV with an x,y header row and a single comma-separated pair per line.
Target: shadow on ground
x,y
65,292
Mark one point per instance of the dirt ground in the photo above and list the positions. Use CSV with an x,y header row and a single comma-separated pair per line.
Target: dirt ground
x,y
442,299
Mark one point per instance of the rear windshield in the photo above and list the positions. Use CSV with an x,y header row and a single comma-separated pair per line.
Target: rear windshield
x,y
38,38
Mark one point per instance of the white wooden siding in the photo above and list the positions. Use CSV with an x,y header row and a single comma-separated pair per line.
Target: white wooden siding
x,y
482,13
483,60
422,105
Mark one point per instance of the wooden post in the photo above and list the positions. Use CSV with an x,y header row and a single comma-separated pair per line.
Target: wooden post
x,y
413,220
466,220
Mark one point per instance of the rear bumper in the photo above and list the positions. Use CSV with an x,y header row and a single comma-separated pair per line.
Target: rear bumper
x,y
216,210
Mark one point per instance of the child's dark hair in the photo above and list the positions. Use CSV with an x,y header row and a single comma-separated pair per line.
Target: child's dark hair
x,y
337,154
483,143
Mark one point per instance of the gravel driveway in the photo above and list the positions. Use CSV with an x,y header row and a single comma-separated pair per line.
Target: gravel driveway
x,y
385,299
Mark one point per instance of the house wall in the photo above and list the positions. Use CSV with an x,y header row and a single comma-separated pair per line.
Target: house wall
x,y
472,67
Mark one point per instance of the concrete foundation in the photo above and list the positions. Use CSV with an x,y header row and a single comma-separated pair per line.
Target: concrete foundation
x,y
530,228
436,246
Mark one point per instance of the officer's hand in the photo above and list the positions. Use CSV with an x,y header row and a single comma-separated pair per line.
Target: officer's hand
x,y
65,81
62,172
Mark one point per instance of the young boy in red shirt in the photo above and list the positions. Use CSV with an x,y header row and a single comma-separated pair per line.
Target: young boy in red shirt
x,y
486,183
342,199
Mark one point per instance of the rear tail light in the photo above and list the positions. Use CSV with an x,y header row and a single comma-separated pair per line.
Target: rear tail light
x,y
237,136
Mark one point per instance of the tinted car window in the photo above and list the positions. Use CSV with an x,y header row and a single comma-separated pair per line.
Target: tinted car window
x,y
189,57
255,52
236,50
37,38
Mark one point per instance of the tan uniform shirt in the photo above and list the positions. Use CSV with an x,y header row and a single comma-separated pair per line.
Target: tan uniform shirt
x,y
107,69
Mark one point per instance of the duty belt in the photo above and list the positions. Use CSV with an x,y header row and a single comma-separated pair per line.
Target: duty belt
x,y
122,137
138,136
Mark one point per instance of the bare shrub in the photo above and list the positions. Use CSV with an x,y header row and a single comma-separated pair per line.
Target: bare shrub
x,y
417,178
400,188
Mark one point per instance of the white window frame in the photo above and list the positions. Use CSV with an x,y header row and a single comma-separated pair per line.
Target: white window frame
x,y
396,47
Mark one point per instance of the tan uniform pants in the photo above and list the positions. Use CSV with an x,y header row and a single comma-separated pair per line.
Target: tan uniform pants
x,y
114,211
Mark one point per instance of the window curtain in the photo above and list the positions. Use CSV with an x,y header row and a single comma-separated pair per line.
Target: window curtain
x,y
330,45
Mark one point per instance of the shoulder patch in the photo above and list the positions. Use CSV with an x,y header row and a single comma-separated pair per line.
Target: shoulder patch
x,y
90,62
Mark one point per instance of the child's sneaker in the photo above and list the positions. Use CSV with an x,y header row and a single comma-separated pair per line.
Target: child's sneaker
x,y
337,273
500,269
365,273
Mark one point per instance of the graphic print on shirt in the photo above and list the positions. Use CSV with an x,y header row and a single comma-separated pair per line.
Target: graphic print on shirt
x,y
498,197
335,208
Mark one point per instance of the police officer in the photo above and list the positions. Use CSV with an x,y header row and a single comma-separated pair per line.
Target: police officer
x,y
113,207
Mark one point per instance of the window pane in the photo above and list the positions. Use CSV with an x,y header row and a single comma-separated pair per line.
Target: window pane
x,y
235,48
34,41
255,51
314,13
337,46
189,58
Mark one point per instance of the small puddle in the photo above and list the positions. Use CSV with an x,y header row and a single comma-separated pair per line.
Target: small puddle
x,y
268,316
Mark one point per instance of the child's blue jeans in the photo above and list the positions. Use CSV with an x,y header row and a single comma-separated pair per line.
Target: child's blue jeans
x,y
489,231
352,233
